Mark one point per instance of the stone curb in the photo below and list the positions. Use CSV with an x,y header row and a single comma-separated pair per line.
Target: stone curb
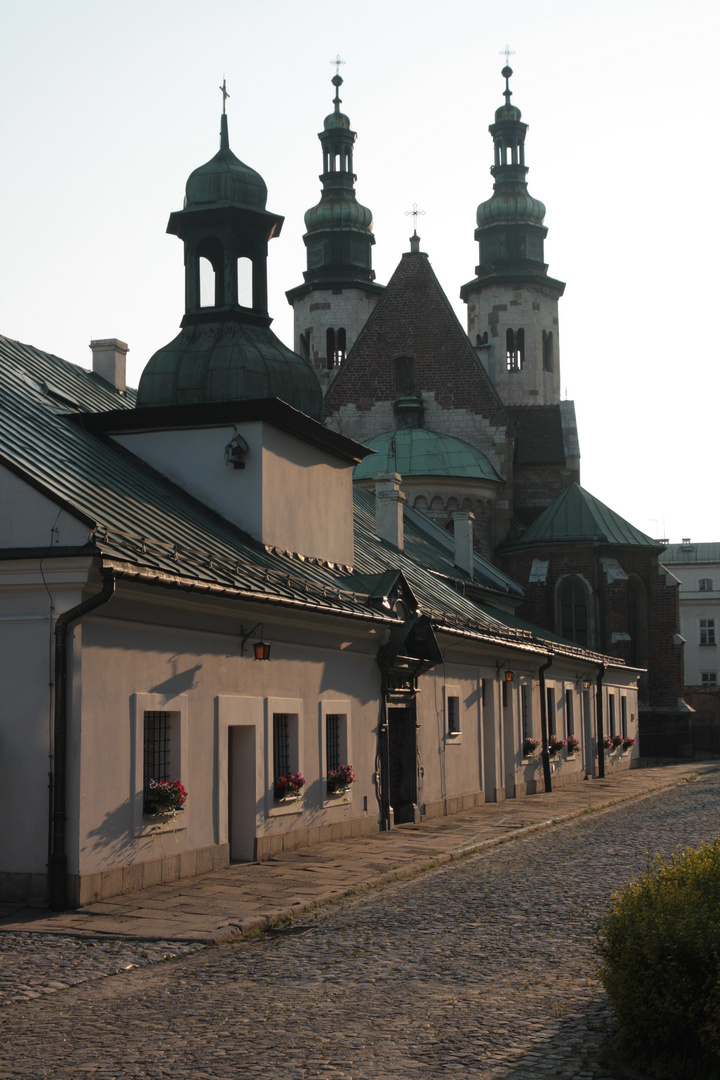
x,y
259,924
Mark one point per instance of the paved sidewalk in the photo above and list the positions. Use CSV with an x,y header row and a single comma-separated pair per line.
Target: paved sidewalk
x,y
257,896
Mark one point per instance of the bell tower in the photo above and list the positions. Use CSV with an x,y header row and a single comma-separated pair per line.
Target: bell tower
x,y
339,290
512,302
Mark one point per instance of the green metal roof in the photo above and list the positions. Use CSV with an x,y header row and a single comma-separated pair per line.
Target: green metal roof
x,y
225,179
684,554
576,516
143,526
229,361
419,452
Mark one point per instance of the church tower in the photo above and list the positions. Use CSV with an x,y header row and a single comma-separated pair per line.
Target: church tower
x,y
512,302
339,291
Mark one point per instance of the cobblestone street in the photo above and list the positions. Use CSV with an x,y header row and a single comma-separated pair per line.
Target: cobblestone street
x,y
480,969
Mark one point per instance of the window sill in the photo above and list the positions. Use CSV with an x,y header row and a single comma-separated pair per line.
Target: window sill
x,y
337,798
287,806
453,737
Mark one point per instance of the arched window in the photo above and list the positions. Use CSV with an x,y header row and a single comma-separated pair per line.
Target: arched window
x,y
211,267
336,347
514,349
405,375
245,282
574,615
207,282
547,347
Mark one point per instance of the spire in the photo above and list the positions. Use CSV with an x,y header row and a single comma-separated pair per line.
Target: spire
x,y
339,230
510,227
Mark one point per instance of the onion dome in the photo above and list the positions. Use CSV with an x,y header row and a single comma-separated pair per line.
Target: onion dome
x,y
510,208
226,179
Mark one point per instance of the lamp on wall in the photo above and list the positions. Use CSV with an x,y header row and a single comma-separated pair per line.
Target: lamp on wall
x,y
583,681
260,648
507,675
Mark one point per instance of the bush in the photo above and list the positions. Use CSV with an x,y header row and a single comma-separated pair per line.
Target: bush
x,y
659,951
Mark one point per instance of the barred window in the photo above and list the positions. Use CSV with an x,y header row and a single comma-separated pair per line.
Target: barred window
x,y
611,708
569,713
453,715
281,744
156,748
524,712
623,717
332,741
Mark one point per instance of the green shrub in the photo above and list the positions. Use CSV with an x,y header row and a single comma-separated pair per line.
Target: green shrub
x,y
659,951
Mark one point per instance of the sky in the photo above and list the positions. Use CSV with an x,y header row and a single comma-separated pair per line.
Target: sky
x,y
106,108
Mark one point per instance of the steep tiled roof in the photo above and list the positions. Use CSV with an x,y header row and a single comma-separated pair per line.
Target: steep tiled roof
x,y
577,516
413,318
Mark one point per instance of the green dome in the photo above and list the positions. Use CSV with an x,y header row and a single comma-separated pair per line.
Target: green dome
x,y
226,179
336,211
336,120
507,112
229,361
419,452
510,209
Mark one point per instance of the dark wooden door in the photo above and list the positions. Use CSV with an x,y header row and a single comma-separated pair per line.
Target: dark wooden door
x,y
402,755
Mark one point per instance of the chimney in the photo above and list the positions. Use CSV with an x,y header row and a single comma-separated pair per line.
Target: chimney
x,y
389,501
463,529
109,361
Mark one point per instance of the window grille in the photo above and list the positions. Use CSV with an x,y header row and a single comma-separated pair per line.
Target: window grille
x,y
453,715
569,713
550,710
623,717
281,744
611,708
524,712
707,632
332,741
708,678
156,748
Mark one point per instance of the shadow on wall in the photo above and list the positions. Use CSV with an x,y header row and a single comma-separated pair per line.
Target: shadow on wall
x,y
179,683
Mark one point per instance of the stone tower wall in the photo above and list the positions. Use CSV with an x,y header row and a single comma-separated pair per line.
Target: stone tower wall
x,y
534,308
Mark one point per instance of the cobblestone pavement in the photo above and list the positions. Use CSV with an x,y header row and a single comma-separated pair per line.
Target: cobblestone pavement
x,y
481,969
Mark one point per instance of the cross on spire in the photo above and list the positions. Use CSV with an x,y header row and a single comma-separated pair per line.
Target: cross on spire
x,y
414,213
337,62
507,52
224,93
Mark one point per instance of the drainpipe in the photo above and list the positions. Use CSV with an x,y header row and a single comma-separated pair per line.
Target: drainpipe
x,y
544,724
57,862
600,732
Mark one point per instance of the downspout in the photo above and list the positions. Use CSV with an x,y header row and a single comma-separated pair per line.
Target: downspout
x,y
600,731
57,862
544,724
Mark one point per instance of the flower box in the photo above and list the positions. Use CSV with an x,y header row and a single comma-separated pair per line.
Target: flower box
x,y
339,780
529,747
288,788
555,745
164,799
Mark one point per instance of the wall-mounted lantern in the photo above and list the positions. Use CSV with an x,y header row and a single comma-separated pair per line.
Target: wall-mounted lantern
x,y
260,648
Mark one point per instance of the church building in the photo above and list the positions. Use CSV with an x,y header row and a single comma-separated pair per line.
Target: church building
x,y
224,633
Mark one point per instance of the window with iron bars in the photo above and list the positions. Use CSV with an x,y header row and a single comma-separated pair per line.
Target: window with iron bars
x,y
156,748
281,744
332,741
524,712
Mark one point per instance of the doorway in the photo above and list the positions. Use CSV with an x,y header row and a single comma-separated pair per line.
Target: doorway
x,y
402,763
241,792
